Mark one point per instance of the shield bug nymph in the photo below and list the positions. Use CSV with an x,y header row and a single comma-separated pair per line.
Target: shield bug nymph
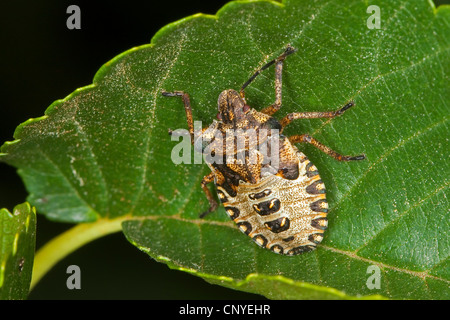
x,y
282,207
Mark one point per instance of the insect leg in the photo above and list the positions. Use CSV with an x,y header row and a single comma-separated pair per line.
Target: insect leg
x,y
306,138
312,115
187,108
278,72
212,202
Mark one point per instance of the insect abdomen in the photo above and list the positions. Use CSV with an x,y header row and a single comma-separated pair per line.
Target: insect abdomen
x,y
285,216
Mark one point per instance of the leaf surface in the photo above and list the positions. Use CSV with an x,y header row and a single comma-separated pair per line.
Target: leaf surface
x,y
17,243
104,151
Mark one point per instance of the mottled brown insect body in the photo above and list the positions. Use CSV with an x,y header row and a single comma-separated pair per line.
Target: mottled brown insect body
x,y
280,204
283,215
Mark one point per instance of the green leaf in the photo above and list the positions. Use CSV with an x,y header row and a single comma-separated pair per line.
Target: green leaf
x,y
17,243
103,152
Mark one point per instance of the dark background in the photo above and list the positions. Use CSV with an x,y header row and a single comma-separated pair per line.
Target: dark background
x,y
42,61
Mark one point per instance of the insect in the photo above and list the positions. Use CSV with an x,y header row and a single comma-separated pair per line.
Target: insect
x,y
282,208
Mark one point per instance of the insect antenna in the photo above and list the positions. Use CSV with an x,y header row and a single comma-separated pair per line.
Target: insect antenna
x,y
289,50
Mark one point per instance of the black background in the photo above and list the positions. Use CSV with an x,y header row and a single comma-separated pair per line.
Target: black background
x,y
42,61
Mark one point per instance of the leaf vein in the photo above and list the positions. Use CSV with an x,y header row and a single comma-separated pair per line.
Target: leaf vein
x,y
94,159
381,77
388,153
156,92
403,214
68,182
422,275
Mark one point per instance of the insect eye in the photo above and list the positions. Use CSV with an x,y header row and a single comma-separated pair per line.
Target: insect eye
x,y
246,108
219,116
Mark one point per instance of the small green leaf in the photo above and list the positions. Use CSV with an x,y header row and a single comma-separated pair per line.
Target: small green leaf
x,y
17,243
104,151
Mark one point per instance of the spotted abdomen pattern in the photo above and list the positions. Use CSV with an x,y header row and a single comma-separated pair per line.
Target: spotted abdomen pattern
x,y
285,216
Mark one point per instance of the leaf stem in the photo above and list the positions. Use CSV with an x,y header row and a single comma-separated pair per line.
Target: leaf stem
x,y
64,244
